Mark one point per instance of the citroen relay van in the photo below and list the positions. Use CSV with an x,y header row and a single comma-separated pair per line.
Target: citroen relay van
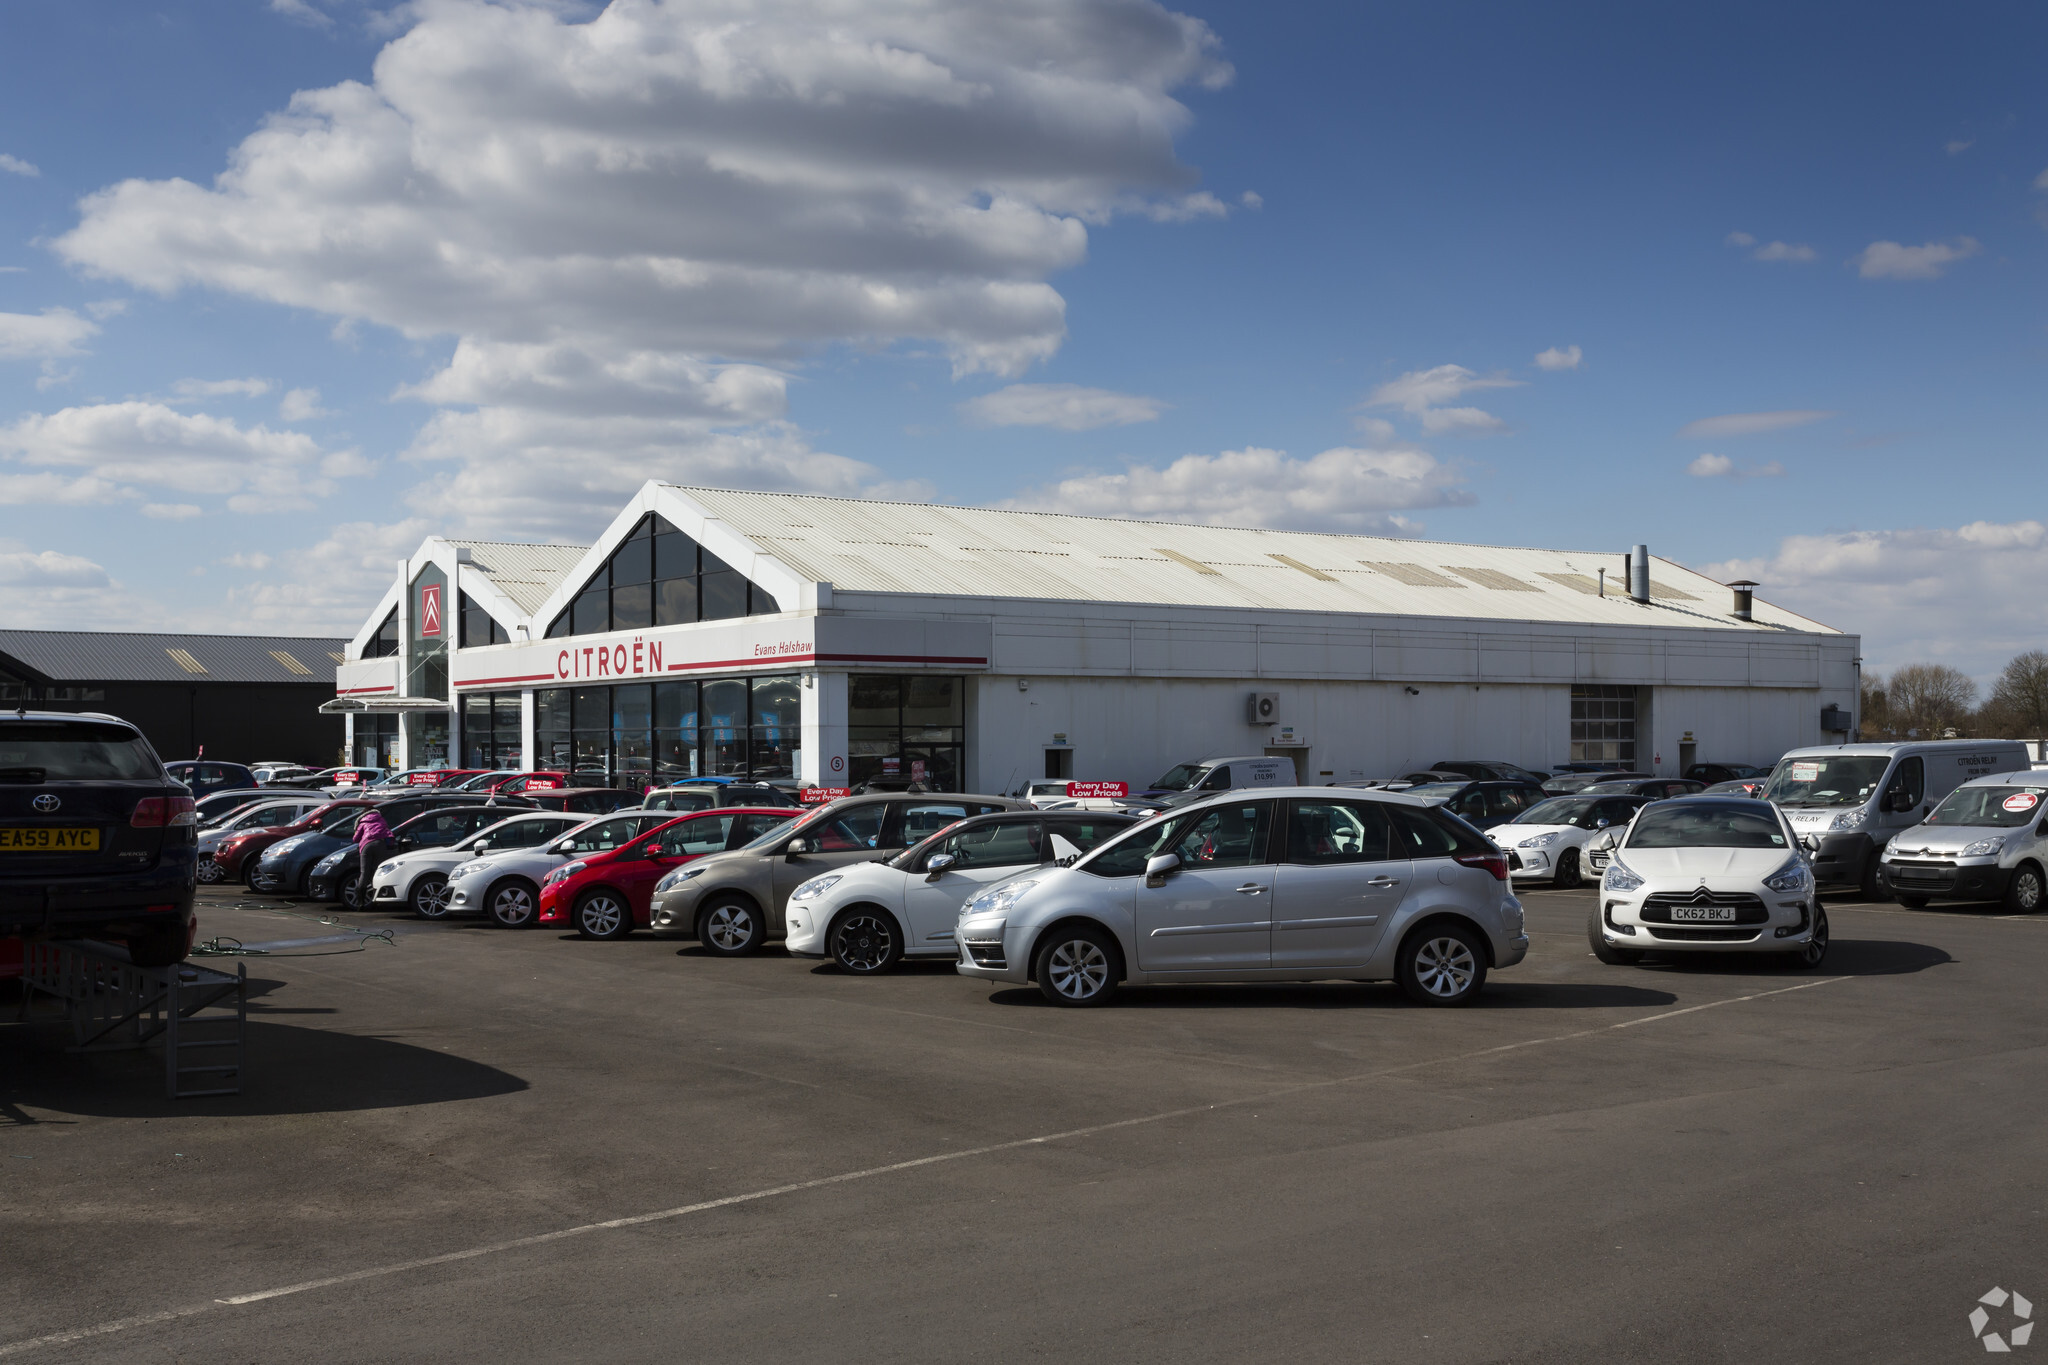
x,y
1205,777
1845,801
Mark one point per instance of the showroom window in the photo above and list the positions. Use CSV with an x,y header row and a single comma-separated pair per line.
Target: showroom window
x,y
653,734
376,741
906,728
478,627
1603,723
384,644
659,577
490,730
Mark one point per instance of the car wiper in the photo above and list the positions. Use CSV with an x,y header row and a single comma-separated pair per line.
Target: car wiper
x,y
22,774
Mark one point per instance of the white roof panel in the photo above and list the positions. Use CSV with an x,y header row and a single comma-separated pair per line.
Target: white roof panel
x,y
524,573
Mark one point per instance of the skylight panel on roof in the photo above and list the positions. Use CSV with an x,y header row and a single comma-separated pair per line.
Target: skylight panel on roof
x,y
291,665
1294,563
1659,591
184,660
1492,578
1577,582
1177,557
1414,575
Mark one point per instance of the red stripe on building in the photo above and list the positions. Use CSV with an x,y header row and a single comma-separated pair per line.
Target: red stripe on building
x,y
524,677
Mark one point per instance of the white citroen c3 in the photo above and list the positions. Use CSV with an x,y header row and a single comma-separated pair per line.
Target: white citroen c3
x,y
1709,874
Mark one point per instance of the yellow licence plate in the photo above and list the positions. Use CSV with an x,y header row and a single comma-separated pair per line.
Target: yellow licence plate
x,y
49,839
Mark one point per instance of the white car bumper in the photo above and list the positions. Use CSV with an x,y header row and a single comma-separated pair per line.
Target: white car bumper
x,y
1635,920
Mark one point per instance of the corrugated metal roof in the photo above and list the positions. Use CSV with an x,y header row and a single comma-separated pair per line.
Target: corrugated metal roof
x,y
918,548
524,573
109,656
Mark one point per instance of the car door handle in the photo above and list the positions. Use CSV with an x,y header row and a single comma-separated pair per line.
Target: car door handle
x,y
1250,889
1384,881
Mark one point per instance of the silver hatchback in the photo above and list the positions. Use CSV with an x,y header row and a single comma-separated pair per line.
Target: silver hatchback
x,y
1290,884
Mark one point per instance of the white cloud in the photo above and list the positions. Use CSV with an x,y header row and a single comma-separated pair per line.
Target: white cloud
x,y
14,165
1749,423
1419,393
1252,199
102,309
108,451
581,376
1344,489
1915,594
1891,261
1065,407
302,11
325,586
170,511
1709,466
301,405
1959,146
253,560
1559,358
53,375
54,331
1772,251
221,388
2041,181
48,569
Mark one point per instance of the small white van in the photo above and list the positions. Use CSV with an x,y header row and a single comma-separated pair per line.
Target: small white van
x,y
1222,774
1986,841
1846,801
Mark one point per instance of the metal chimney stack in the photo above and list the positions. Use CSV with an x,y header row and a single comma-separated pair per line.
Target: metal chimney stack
x,y
1745,599
1639,573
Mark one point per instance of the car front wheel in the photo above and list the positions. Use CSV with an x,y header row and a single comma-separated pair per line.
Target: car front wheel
x,y
210,872
1077,967
349,890
1605,951
732,928
2023,893
1442,964
429,897
603,915
1814,951
1568,878
865,942
510,903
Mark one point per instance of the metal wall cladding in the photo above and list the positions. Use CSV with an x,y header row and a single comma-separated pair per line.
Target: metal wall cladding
x,y
990,553
96,656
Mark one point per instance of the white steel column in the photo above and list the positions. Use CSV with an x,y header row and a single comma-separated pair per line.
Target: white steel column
x,y
824,730
526,729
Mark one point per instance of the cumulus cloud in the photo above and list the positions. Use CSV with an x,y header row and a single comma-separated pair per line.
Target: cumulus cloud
x,y
1343,489
54,331
221,388
1559,358
1709,466
1891,261
1916,593
327,586
111,450
1771,251
579,377
170,511
1750,423
1422,393
49,569
1064,407
1959,146
302,11
14,165
301,405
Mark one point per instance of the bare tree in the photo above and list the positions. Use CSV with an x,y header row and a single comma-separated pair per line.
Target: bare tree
x,y
1874,708
2019,699
1928,699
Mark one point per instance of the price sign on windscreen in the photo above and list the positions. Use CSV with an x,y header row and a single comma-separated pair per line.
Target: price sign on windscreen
x,y
1098,789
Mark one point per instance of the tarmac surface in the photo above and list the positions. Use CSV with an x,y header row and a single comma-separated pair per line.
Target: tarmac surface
x,y
468,1143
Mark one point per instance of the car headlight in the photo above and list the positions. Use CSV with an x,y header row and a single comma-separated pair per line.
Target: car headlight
x,y
1620,878
1848,819
998,899
1985,848
334,860
677,878
815,887
1540,841
468,869
1790,877
563,873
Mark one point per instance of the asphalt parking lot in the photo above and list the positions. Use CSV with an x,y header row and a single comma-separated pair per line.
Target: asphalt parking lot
x,y
1701,1162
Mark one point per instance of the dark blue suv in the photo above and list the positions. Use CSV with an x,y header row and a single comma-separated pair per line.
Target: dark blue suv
x,y
96,839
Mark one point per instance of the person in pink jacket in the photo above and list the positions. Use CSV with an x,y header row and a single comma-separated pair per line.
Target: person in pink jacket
x,y
373,846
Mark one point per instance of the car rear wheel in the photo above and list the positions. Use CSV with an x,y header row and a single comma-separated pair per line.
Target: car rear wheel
x,y
1605,951
1814,951
1442,964
348,889
1077,967
429,896
210,873
1871,886
1568,878
2023,893
732,928
603,914
865,942
511,903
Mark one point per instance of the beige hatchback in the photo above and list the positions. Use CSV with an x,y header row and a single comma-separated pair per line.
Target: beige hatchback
x,y
732,902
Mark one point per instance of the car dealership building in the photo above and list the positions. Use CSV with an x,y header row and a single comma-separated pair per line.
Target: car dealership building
x,y
836,641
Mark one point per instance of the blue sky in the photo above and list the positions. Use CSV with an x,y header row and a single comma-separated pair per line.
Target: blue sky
x,y
1307,258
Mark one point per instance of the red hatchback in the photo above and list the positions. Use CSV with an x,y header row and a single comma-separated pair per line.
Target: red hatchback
x,y
606,895
237,854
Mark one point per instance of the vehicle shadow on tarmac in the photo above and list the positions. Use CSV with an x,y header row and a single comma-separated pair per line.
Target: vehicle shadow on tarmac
x,y
1348,995
1846,957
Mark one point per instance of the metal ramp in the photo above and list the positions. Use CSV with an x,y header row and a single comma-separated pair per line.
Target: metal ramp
x,y
200,1016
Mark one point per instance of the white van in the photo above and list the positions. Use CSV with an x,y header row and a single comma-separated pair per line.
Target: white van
x,y
1986,841
1221,774
1845,801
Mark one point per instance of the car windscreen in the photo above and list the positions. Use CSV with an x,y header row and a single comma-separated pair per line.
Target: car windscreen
x,y
74,751
1180,777
1706,824
1431,790
1996,807
1827,780
1576,811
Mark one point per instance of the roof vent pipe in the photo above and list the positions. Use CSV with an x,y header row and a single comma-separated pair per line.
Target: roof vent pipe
x,y
1745,599
1639,573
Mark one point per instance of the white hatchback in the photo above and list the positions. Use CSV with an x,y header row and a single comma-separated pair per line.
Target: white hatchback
x,y
1709,874
1547,841
419,880
869,916
506,886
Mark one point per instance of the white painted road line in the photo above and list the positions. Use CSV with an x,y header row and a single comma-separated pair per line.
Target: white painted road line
x,y
846,1177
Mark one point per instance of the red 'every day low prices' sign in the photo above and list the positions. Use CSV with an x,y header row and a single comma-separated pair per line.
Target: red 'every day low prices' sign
x,y
818,796
1098,789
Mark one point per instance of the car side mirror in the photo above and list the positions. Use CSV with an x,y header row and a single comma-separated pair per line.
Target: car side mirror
x,y
1602,824
795,847
1159,867
1897,800
936,865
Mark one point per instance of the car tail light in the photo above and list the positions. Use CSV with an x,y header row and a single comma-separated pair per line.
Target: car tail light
x,y
154,812
1496,863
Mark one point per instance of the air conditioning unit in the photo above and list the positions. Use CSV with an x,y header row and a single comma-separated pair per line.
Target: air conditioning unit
x,y
1834,720
1262,708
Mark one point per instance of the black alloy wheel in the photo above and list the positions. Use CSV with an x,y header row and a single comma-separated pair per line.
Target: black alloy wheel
x,y
1605,951
349,891
1814,951
1871,885
865,941
1568,876
430,896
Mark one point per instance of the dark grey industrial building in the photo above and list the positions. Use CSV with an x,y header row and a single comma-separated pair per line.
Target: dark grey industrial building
x,y
245,697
